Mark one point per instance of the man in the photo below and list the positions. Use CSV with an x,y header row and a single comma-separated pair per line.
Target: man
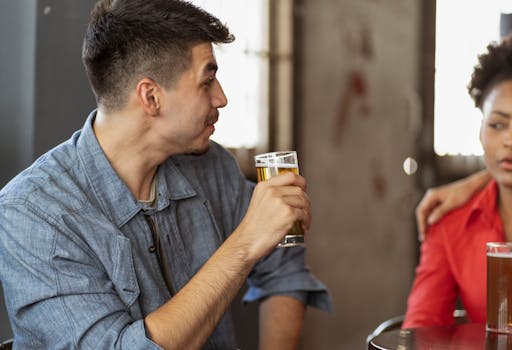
x,y
138,232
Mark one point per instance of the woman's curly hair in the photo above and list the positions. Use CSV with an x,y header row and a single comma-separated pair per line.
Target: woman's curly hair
x,y
494,66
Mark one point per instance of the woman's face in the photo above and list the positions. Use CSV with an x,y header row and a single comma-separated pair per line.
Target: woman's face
x,y
496,132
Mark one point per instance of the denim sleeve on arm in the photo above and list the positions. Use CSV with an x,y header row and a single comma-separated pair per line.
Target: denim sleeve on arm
x,y
284,273
58,294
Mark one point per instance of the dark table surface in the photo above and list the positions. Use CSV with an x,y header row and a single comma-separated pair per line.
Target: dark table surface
x,y
468,336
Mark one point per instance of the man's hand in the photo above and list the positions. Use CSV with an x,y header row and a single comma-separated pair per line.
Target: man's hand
x,y
440,200
275,205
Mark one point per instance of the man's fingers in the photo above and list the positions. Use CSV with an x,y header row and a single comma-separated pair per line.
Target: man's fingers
x,y
436,214
306,220
423,211
430,218
287,179
295,197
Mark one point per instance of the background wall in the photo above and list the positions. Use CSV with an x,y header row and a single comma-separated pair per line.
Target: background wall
x,y
46,95
359,119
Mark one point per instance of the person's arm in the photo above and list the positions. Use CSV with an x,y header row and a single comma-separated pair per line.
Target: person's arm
x,y
280,324
432,298
85,306
187,320
440,200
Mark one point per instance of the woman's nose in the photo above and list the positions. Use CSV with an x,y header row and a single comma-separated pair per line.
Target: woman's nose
x,y
507,137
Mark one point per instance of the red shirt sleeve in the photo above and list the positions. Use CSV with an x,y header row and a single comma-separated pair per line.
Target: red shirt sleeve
x,y
433,295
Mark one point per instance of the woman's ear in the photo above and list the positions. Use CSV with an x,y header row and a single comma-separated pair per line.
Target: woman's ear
x,y
148,95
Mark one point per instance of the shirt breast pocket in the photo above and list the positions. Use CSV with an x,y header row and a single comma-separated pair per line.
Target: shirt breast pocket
x,y
200,233
124,277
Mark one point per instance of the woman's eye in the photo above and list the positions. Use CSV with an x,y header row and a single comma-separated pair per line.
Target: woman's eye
x,y
497,125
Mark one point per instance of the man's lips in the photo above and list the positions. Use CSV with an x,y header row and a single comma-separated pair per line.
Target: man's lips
x,y
212,119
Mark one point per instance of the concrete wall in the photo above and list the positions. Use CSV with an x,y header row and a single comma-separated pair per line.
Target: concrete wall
x,y
359,118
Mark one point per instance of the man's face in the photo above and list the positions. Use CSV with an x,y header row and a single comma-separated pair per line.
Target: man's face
x,y
496,132
190,107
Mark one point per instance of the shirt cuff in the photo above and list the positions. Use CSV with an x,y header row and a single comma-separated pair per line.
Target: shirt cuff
x,y
306,288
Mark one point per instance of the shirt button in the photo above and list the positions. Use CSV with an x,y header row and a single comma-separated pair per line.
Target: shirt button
x,y
152,249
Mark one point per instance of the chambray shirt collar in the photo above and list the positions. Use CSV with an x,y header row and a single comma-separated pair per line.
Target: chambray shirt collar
x,y
116,200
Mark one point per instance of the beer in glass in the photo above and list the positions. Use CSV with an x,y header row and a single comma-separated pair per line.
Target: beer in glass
x,y
499,287
272,164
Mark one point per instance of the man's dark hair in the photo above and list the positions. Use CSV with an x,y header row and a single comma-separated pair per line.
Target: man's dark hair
x,y
127,40
494,67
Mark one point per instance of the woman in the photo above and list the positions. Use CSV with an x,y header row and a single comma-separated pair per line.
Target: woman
x,y
453,257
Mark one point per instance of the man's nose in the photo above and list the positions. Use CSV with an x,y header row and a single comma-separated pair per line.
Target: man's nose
x,y
219,99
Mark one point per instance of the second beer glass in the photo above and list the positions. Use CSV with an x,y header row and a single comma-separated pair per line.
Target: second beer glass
x,y
272,164
499,287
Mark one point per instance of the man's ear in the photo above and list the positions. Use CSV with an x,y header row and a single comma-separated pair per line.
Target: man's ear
x,y
148,95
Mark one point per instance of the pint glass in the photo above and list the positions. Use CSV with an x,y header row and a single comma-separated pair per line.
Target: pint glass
x,y
499,287
272,164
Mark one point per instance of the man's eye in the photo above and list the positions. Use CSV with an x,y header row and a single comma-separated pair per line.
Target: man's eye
x,y
209,81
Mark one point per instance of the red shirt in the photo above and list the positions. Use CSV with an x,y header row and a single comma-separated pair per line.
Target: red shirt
x,y
453,263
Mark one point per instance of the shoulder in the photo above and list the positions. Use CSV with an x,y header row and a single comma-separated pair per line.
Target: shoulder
x,y
52,180
456,221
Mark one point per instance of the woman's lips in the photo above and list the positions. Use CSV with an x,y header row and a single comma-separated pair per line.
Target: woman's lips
x,y
506,164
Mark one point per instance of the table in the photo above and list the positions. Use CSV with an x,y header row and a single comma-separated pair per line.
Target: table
x,y
466,336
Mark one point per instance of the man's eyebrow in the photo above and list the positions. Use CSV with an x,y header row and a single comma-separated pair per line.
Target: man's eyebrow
x,y
210,67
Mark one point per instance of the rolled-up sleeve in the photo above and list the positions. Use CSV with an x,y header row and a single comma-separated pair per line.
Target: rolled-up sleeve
x,y
284,272
58,294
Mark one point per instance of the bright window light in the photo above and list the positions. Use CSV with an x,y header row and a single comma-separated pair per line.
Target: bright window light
x,y
242,71
463,30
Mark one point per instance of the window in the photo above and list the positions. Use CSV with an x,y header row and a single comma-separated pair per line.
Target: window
x,y
463,30
243,72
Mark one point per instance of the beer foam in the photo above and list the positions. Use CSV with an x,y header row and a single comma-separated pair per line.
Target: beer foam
x,y
500,255
276,165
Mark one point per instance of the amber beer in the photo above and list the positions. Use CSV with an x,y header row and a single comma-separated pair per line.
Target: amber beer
x,y
275,163
499,287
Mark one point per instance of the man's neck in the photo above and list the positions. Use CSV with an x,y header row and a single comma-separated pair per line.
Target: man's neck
x,y
122,137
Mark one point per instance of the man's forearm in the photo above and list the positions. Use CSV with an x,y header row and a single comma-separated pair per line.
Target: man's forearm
x,y
189,318
281,320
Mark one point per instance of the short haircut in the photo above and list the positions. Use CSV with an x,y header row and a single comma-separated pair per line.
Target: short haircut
x,y
494,67
127,40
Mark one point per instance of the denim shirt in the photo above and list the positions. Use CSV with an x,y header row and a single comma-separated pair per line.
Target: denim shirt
x,y
77,257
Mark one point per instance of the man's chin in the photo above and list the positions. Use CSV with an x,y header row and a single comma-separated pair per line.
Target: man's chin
x,y
198,151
